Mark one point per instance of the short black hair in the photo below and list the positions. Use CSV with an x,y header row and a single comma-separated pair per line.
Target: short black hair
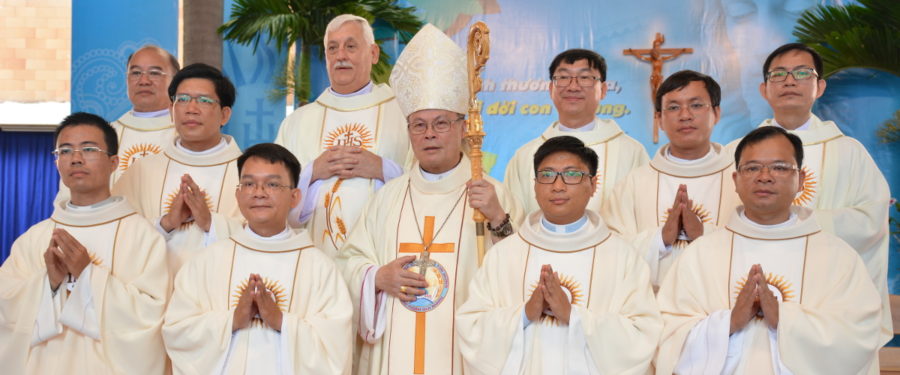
x,y
90,119
274,154
594,60
224,87
681,79
570,144
817,59
172,60
765,132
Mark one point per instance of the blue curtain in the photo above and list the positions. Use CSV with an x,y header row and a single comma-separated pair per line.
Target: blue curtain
x,y
29,184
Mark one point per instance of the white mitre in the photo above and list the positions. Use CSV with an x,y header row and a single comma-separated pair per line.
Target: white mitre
x,y
431,74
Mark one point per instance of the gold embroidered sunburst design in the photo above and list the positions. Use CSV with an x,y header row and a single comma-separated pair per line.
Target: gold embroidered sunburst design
x,y
167,204
272,285
807,188
136,152
574,292
698,210
350,135
786,292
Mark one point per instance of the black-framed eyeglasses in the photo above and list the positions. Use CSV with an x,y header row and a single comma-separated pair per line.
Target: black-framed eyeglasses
x,y
271,187
800,74
583,81
87,152
776,169
569,177
440,125
203,100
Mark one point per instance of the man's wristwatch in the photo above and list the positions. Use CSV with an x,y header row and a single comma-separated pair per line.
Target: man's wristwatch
x,y
504,229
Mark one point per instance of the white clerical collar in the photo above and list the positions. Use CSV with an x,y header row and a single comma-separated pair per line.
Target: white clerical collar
x,y
586,128
709,155
564,228
365,90
790,221
277,237
805,125
160,113
212,150
93,207
431,177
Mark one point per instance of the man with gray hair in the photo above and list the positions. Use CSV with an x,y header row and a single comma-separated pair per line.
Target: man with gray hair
x,y
350,140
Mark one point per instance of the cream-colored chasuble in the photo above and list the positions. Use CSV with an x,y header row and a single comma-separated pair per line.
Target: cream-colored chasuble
x,y
614,323
617,155
829,311
371,121
850,196
315,336
114,310
138,137
389,229
152,184
639,205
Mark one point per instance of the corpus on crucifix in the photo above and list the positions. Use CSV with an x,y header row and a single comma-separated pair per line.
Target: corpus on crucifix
x,y
657,56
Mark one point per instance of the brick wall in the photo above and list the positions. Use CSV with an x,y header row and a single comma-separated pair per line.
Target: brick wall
x,y
35,50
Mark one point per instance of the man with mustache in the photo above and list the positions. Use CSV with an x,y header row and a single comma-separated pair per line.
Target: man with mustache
x,y
771,292
184,189
685,191
578,84
847,191
350,140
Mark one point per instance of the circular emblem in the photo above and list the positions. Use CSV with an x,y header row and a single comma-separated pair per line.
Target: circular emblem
x,y
438,286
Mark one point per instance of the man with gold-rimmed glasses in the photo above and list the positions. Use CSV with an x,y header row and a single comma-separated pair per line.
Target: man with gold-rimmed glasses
x,y
686,190
146,127
184,190
842,183
84,290
577,85
269,300
771,292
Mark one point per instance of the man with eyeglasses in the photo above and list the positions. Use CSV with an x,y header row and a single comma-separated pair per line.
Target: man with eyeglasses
x,y
686,189
772,292
350,140
409,259
265,300
565,295
84,291
145,128
843,184
578,84
183,190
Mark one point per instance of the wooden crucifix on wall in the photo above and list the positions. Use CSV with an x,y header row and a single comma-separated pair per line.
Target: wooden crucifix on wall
x,y
656,56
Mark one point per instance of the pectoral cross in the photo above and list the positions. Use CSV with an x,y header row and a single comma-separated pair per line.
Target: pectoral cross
x,y
656,58
424,249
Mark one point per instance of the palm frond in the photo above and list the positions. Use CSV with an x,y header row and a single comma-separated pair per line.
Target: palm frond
x,y
865,35
890,130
